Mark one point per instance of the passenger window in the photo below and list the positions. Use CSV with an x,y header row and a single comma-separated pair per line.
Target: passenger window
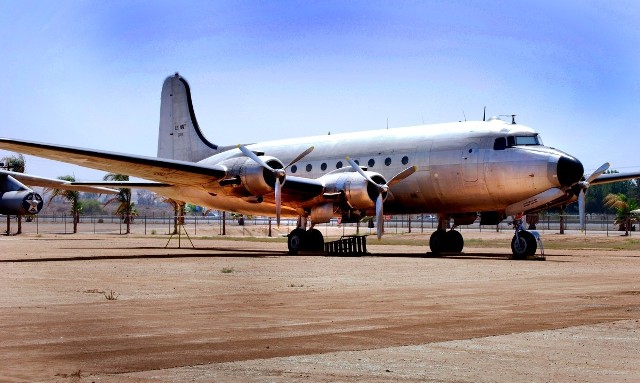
x,y
339,165
309,167
500,143
371,162
405,160
323,167
294,168
387,161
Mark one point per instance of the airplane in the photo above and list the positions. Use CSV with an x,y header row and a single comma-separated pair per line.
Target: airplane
x,y
16,198
462,171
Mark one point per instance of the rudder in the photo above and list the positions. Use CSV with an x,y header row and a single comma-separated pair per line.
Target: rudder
x,y
180,137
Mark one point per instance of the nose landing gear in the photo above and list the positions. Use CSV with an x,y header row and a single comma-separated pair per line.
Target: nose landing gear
x,y
524,243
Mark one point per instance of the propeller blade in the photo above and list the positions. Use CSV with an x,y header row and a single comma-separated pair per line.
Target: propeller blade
x,y
300,156
603,168
581,208
359,170
255,158
381,188
280,174
278,196
379,216
402,175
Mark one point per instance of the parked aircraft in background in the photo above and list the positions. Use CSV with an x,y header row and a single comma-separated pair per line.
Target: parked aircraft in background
x,y
18,199
462,171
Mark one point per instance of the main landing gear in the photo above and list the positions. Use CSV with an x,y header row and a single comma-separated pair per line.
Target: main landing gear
x,y
443,241
305,240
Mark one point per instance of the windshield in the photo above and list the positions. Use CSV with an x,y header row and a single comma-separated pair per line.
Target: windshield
x,y
527,140
502,143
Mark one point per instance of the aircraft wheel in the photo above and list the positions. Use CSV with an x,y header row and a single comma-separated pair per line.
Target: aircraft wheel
x,y
524,245
454,241
295,241
438,242
314,241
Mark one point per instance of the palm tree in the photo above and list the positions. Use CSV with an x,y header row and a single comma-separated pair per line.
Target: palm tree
x,y
125,208
16,164
623,205
69,195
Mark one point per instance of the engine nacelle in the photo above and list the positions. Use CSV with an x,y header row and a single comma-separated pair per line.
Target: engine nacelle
x,y
20,202
247,178
359,193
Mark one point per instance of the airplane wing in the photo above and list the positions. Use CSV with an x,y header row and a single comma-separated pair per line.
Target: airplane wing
x,y
55,183
301,189
152,186
614,177
173,172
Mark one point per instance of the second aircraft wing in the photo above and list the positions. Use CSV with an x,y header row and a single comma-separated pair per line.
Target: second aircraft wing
x,y
172,172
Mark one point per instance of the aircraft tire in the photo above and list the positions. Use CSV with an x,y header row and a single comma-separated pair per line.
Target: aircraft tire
x,y
295,240
438,242
314,241
454,241
524,245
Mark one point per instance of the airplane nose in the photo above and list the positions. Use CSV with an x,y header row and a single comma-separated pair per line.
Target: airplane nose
x,y
569,171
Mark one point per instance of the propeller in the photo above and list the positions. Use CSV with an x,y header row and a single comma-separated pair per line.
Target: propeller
x,y
279,174
582,195
382,190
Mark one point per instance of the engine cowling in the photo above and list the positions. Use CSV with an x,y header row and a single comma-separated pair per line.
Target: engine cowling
x,y
22,202
359,193
245,177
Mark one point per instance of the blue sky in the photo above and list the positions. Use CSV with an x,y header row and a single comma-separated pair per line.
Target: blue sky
x,y
89,73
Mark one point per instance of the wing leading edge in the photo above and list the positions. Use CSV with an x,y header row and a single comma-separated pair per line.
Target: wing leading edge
x,y
167,171
614,177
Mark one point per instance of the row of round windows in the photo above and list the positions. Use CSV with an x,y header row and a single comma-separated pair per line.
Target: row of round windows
x,y
339,164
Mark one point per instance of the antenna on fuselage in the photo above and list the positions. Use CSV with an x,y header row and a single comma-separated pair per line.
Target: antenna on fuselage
x,y
513,117
484,114
465,116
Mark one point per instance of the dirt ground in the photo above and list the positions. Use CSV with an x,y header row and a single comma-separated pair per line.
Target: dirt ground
x,y
246,311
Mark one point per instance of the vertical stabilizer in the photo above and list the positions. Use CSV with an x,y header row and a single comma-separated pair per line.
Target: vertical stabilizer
x,y
180,137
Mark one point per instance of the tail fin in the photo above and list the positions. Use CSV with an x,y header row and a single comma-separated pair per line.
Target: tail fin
x,y
180,137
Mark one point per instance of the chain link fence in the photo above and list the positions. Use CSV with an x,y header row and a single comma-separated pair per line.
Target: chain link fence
x,y
261,226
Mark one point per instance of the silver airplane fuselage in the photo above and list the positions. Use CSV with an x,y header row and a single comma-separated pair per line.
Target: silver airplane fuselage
x,y
461,168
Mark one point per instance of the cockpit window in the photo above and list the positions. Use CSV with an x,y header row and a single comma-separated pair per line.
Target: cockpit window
x,y
502,143
527,140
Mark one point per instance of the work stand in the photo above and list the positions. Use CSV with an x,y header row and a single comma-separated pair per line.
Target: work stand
x,y
180,229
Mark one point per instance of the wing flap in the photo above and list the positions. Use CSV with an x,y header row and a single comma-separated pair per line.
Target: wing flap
x,y
172,172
